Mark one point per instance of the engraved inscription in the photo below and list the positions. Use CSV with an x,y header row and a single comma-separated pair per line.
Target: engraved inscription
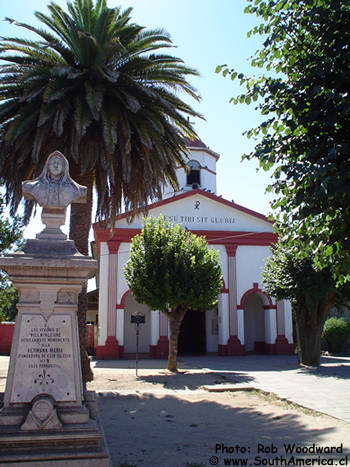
x,y
45,361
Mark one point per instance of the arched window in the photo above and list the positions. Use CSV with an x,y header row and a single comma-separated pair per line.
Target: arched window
x,y
194,175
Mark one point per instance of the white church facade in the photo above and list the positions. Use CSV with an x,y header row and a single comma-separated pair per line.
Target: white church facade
x,y
246,318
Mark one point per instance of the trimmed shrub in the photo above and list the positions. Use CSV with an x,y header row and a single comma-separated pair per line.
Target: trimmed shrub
x,y
335,334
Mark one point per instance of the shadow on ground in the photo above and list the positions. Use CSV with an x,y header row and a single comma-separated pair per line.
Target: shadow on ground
x,y
152,431
333,371
190,380
129,364
243,363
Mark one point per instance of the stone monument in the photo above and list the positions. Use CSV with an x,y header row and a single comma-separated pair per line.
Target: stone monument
x,y
45,418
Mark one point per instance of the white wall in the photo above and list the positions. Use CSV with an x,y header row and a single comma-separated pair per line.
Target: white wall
x,y
249,263
208,179
209,214
123,256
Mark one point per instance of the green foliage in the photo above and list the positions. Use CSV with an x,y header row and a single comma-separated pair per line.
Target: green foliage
x,y
10,238
10,230
170,267
335,334
290,273
104,92
8,300
302,92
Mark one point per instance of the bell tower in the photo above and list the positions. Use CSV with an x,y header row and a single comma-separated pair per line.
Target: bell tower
x,y
202,174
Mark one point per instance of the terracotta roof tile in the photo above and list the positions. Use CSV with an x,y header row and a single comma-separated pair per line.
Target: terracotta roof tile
x,y
195,143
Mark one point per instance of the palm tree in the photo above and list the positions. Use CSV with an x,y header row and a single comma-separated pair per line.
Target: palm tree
x,y
95,87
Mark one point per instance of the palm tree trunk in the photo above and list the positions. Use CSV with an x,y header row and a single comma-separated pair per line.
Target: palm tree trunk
x,y
175,319
79,229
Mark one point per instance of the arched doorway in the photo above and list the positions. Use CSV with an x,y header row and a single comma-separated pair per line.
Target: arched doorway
x,y
192,337
132,306
254,323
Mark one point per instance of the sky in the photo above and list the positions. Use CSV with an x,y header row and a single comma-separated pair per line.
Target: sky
x,y
206,33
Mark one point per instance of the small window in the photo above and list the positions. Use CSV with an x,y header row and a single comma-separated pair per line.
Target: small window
x,y
194,175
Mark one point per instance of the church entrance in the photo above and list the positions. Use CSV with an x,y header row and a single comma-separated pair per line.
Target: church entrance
x,y
131,307
192,333
254,324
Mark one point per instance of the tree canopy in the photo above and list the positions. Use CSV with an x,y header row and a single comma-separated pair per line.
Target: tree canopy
x,y
172,270
171,267
303,95
292,275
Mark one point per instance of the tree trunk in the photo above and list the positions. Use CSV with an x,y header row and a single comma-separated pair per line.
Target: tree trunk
x,y
175,319
79,229
310,324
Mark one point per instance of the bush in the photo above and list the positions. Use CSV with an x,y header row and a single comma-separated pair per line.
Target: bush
x,y
335,334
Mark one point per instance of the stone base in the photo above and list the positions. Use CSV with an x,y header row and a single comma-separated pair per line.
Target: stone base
x,y
233,347
76,440
50,247
81,445
269,349
283,346
161,350
110,351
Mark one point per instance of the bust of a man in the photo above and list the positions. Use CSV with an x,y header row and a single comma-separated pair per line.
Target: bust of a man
x,y
54,187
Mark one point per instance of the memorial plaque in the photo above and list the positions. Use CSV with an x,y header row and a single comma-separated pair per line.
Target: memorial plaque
x,y
44,359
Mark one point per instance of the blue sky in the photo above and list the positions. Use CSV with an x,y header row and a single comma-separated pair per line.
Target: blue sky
x,y
206,33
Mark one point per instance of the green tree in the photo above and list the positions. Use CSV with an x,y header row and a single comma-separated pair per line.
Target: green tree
x,y
335,334
10,238
172,270
101,90
290,273
303,97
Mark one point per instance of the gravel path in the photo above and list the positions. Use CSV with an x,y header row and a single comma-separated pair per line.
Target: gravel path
x,y
166,420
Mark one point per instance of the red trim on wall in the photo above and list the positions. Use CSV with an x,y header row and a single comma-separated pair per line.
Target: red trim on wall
x,y
121,305
208,170
269,349
113,247
224,290
109,351
232,239
231,249
256,290
6,335
119,235
234,346
283,346
162,348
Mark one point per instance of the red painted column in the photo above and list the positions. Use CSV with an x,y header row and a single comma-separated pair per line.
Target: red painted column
x,y
111,350
234,346
282,345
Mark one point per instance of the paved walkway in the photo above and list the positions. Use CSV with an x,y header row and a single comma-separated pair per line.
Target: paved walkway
x,y
326,388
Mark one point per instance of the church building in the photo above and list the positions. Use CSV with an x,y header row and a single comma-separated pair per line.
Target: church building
x,y
246,318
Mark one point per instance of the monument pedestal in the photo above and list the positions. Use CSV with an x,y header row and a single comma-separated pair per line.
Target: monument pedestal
x,y
45,419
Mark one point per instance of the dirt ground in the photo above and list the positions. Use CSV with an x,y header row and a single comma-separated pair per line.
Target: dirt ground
x,y
166,420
